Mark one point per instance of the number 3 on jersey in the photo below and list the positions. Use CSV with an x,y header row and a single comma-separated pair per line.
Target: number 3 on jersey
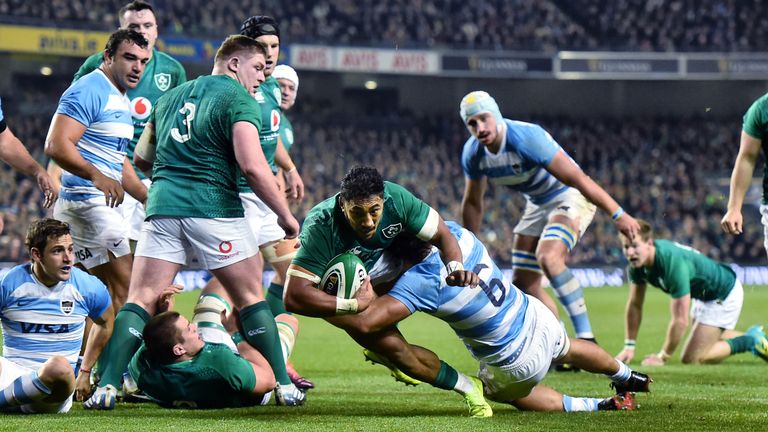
x,y
188,111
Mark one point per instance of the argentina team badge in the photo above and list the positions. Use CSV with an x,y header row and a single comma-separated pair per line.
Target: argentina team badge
x,y
67,306
163,81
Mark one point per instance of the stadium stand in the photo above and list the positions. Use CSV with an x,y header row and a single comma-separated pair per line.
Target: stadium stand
x,y
536,25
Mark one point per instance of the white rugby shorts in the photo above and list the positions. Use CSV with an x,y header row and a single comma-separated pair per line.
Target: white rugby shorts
x,y
215,243
720,313
134,213
570,203
546,342
96,229
261,219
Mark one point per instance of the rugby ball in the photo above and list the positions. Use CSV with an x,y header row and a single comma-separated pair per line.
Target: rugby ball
x,y
343,276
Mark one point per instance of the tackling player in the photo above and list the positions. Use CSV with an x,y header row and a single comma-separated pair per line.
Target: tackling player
x,y
199,139
43,307
707,290
88,138
560,201
514,336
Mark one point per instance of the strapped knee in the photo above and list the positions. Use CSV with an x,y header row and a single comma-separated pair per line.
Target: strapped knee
x,y
562,232
524,260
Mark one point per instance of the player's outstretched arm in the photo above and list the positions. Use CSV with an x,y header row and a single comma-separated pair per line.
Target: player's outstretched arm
x,y
13,152
678,323
97,340
60,145
383,313
256,171
633,316
472,204
741,177
566,170
132,184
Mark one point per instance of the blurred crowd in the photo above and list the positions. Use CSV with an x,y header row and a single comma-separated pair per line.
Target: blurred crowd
x,y
538,25
670,171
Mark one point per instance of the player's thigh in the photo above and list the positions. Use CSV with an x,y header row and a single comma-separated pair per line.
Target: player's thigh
x,y
279,255
242,281
150,276
10,371
700,340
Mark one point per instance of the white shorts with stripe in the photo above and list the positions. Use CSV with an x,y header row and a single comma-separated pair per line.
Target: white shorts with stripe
x,y
723,314
215,243
546,342
570,203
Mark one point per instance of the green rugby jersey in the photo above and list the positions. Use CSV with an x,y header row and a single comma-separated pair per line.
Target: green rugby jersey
x,y
326,232
679,270
286,133
162,73
268,97
756,125
215,378
195,171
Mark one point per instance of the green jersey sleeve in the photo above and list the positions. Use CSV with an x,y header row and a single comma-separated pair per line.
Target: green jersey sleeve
x,y
677,277
756,118
91,64
418,218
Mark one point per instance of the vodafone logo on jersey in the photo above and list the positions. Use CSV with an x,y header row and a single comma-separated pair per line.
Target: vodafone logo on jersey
x,y
274,120
141,107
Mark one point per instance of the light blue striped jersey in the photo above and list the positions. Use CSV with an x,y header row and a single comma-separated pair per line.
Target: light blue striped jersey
x,y
520,163
40,321
106,113
491,319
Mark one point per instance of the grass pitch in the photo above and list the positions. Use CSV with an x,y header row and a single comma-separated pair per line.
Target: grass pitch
x,y
352,395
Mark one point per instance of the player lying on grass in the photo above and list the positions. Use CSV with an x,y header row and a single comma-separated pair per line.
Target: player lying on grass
x,y
185,365
364,218
707,290
514,336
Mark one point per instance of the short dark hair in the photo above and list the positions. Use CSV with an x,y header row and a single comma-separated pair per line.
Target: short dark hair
x,y
122,35
362,182
41,230
235,44
135,6
260,25
160,335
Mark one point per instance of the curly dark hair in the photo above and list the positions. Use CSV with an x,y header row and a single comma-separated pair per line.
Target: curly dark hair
x,y
362,182
119,36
